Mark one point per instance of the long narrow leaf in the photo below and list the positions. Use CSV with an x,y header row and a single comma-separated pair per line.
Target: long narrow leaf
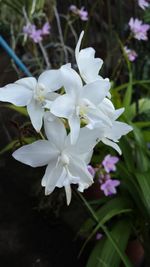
x,y
104,252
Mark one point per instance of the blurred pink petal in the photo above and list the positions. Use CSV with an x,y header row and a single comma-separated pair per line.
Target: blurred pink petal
x,y
109,163
139,29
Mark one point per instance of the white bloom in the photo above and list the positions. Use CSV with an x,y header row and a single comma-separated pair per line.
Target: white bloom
x,y
67,164
80,102
33,93
88,65
112,133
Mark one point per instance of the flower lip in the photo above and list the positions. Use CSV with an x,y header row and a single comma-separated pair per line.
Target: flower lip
x,y
40,93
64,159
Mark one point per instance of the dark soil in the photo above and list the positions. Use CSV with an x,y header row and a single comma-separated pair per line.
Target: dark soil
x,y
28,237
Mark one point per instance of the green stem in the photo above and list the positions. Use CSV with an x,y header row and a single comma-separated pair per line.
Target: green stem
x,y
42,136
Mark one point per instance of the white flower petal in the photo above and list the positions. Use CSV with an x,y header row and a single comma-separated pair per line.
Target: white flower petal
x,y
68,193
112,144
74,123
37,154
52,96
15,94
51,165
36,113
96,91
53,175
87,157
88,65
79,168
117,130
86,141
107,107
97,118
63,106
55,131
117,113
28,82
50,80
77,49
71,80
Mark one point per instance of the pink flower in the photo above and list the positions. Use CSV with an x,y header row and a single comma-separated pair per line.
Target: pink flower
x,y
29,28
74,9
82,13
99,236
36,36
33,33
109,163
143,3
46,28
91,170
109,187
138,29
131,54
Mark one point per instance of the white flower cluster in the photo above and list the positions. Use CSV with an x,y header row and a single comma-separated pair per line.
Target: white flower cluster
x,y
84,106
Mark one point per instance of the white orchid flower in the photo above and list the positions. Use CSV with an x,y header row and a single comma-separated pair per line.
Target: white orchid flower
x,y
67,164
80,102
112,133
33,93
88,65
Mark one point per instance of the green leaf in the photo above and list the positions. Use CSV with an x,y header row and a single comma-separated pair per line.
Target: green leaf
x,y
112,208
107,217
8,147
142,124
132,185
144,183
125,85
21,110
127,152
142,161
144,105
107,233
104,253
146,136
128,93
30,6
16,143
94,256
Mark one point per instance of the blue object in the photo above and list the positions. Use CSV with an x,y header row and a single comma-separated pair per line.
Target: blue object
x,y
12,54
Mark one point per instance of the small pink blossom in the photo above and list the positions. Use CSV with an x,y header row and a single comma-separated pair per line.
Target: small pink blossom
x,y
91,170
143,3
99,236
139,29
109,187
131,54
109,163
73,8
82,12
46,28
29,28
36,36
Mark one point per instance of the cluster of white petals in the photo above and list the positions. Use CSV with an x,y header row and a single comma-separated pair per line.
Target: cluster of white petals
x,y
86,108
